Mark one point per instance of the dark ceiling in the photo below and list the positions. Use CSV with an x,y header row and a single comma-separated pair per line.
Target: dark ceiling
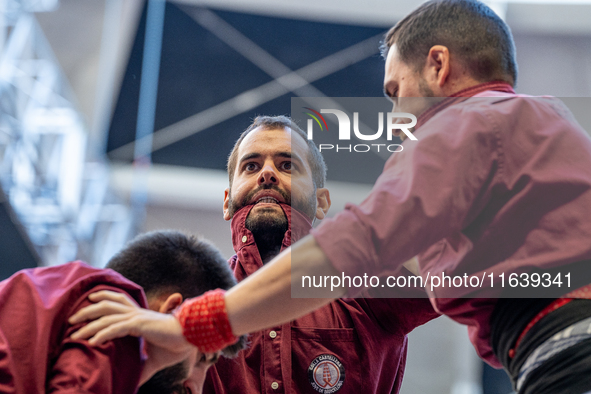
x,y
198,70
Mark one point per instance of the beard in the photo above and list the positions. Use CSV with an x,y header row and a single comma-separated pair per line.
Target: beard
x,y
307,206
424,88
417,105
168,380
269,224
268,228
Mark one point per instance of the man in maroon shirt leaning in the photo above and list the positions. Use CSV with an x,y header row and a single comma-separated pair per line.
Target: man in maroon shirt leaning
x,y
36,353
496,184
276,191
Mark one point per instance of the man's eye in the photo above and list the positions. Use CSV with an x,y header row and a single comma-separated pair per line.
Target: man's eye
x,y
250,167
286,165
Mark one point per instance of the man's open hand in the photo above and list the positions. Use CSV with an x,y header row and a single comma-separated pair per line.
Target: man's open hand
x,y
115,315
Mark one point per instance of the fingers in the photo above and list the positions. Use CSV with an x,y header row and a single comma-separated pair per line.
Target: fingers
x,y
107,303
117,316
111,309
112,296
94,311
106,328
113,331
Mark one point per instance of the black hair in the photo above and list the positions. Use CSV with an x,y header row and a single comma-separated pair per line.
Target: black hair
x,y
167,262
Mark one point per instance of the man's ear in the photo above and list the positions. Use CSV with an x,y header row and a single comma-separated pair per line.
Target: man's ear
x,y
171,302
438,66
227,215
322,202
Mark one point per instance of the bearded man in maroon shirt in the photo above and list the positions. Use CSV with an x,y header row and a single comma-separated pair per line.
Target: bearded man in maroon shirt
x,y
276,191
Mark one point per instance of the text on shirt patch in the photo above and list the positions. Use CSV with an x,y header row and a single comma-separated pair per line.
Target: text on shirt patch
x,y
326,374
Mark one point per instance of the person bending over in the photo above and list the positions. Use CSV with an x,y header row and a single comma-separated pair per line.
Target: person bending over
x,y
37,353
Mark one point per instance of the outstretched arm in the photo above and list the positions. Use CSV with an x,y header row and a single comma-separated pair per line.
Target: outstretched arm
x,y
262,300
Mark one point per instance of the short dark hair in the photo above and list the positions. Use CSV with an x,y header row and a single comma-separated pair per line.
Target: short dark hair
x,y
315,159
468,28
166,262
170,261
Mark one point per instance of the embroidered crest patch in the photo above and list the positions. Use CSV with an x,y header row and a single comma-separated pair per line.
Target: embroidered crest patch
x,y
326,374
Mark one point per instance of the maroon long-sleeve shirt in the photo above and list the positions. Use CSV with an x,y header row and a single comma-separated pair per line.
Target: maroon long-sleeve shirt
x,y
37,354
350,346
496,183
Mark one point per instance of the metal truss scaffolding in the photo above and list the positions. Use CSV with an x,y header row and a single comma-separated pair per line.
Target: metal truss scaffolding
x,y
58,189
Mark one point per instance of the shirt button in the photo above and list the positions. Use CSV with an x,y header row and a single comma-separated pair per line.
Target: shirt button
x,y
274,385
244,238
273,334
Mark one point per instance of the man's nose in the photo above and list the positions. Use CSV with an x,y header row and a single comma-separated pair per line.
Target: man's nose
x,y
268,175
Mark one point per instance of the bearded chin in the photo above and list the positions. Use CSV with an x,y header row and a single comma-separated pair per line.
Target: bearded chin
x,y
268,228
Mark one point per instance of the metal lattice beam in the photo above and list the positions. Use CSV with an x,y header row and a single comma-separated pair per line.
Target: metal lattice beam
x,y
62,198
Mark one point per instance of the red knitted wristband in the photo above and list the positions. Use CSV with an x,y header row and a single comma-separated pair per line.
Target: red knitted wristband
x,y
205,322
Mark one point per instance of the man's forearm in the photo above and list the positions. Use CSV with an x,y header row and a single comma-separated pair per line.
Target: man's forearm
x,y
264,299
209,322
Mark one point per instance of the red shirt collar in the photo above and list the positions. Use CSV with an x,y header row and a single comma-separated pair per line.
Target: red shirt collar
x,y
462,95
298,227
